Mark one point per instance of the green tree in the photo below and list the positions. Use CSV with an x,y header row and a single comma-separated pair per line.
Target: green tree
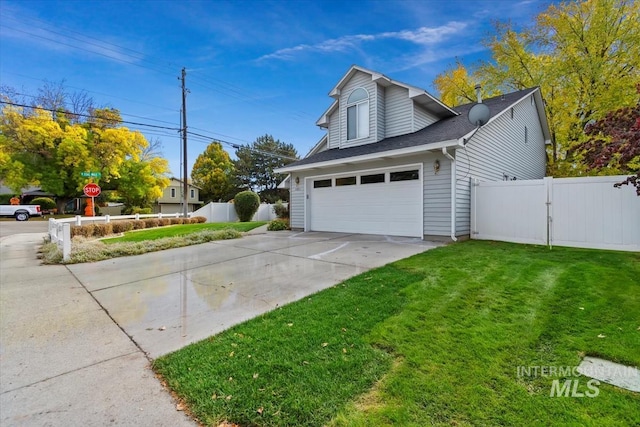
x,y
213,172
255,165
584,55
52,153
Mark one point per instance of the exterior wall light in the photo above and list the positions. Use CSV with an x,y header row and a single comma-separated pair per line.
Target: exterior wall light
x,y
436,166
297,180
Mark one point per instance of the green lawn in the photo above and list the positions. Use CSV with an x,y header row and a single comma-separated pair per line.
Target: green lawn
x,y
433,339
182,230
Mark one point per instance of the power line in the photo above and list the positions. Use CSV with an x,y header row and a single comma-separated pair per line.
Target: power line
x,y
122,114
203,138
92,91
238,146
141,55
252,100
88,116
89,50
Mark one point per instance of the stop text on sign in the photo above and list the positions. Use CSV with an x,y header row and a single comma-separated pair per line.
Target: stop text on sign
x,y
92,190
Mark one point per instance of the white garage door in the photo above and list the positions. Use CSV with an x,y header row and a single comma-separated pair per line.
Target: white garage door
x,y
380,202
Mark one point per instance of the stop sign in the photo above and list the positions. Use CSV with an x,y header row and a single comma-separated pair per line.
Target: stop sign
x,y
92,190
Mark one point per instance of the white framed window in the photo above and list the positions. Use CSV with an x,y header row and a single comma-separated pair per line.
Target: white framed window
x,y
173,193
358,114
192,193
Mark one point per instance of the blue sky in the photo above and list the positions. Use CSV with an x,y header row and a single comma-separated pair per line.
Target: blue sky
x,y
253,67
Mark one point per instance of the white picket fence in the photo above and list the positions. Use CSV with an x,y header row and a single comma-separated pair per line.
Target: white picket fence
x,y
60,229
583,212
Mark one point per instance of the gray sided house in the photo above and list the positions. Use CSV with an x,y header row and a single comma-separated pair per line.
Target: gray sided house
x,y
397,161
172,198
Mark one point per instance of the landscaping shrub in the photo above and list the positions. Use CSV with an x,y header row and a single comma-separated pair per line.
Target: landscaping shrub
x,y
164,221
198,220
132,210
5,199
44,202
150,222
278,225
82,230
246,204
281,210
122,226
102,230
175,221
138,224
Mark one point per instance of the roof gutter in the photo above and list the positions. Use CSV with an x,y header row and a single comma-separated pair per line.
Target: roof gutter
x,y
453,193
370,157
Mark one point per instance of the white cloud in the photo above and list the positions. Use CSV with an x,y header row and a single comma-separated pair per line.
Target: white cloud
x,y
423,36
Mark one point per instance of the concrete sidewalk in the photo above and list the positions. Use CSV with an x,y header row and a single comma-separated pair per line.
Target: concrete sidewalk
x,y
63,360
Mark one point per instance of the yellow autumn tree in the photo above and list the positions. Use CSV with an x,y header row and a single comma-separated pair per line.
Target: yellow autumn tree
x,y
585,57
213,173
37,149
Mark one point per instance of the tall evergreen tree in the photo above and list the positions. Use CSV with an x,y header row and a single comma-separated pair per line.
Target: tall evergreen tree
x,y
255,165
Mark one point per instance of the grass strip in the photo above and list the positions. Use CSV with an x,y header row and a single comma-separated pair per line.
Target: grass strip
x,y
433,339
181,230
96,250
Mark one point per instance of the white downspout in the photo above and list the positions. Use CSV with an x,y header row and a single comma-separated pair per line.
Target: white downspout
x,y
453,192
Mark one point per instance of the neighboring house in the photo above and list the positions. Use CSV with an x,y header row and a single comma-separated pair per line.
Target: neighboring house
x,y
397,161
172,198
27,194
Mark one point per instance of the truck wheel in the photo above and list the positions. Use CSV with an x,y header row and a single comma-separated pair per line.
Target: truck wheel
x,y
22,216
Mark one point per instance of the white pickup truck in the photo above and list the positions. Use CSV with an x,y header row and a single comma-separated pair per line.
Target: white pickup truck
x,y
20,212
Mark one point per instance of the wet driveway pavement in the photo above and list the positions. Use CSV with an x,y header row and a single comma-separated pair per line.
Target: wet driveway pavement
x,y
166,300
75,340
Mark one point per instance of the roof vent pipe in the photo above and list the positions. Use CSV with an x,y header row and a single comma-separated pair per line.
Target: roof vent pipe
x,y
478,87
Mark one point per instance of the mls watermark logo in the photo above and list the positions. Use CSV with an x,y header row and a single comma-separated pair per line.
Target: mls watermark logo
x,y
570,388
562,387
586,377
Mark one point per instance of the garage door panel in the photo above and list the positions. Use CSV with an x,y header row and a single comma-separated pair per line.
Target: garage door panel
x,y
392,208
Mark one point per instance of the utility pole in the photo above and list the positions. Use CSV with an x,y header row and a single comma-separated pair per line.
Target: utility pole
x,y
185,185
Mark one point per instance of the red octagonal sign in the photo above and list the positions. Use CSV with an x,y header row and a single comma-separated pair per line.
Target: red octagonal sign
x,y
92,190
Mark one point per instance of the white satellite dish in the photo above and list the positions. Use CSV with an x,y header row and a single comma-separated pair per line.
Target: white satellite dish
x,y
479,114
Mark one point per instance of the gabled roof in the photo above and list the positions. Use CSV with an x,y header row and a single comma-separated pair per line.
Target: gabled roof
x,y
189,183
444,133
420,96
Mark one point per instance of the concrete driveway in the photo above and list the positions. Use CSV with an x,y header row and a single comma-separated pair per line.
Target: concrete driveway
x,y
75,339
166,300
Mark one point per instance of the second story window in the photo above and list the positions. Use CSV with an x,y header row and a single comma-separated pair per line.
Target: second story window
x,y
193,194
173,193
358,114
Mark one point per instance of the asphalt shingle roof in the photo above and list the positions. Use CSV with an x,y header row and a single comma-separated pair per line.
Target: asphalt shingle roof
x,y
442,130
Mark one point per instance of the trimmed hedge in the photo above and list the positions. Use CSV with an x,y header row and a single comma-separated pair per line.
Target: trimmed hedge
x,y
102,230
122,226
151,222
138,224
278,225
246,204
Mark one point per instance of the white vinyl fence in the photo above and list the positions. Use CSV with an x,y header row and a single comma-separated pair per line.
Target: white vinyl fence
x,y
580,212
60,229
226,212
